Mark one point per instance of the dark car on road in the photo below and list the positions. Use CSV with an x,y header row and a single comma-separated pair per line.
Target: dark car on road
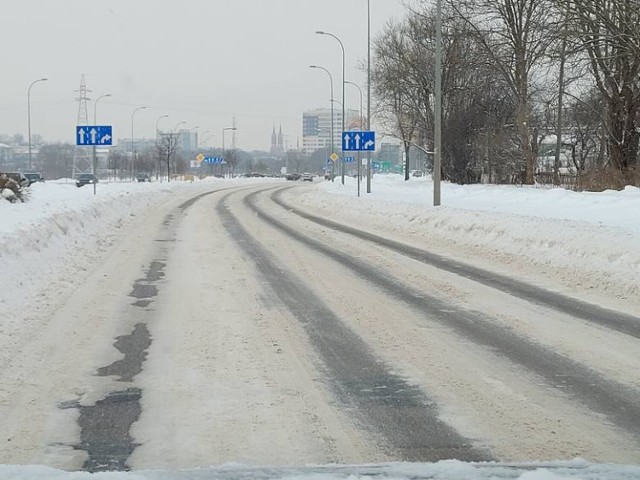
x,y
34,177
292,176
143,177
86,179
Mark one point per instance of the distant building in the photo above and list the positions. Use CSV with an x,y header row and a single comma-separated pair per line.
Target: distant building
x,y
187,141
277,142
139,144
390,153
316,128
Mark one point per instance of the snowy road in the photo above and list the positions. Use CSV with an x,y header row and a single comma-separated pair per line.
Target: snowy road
x,y
228,326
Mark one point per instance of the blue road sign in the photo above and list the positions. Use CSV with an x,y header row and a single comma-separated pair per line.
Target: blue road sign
x,y
354,141
93,135
349,159
214,160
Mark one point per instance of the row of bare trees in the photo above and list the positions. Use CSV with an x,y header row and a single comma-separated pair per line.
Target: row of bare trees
x,y
518,76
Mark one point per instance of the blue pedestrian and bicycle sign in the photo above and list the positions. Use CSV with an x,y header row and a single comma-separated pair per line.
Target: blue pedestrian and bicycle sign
x,y
355,141
94,135
214,160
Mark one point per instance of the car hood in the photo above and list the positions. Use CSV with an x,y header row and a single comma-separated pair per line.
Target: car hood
x,y
445,470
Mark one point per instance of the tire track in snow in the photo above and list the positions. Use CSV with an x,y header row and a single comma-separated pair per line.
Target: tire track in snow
x,y
379,400
620,322
619,403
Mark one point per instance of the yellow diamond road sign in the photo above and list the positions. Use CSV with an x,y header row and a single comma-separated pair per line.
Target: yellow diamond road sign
x,y
334,156
200,158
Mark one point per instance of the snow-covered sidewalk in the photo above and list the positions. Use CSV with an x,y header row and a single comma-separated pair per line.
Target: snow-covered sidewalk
x,y
580,241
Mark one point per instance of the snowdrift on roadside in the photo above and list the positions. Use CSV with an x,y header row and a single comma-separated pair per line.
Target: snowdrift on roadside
x,y
584,240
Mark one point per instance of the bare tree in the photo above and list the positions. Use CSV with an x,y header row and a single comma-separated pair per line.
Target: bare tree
x,y
232,158
167,149
515,35
608,31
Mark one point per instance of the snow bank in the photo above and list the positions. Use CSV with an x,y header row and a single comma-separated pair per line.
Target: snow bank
x,y
445,470
47,242
585,240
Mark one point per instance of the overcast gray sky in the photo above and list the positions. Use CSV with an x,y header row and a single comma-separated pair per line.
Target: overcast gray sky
x,y
199,61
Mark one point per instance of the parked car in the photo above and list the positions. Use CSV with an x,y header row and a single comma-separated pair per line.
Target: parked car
x,y
307,177
86,179
17,177
143,177
416,173
34,177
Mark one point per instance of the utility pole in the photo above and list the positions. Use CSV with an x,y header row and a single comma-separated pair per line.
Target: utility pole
x,y
437,135
82,160
369,90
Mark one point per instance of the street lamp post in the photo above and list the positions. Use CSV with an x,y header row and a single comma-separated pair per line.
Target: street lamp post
x,y
29,114
95,122
437,134
369,90
133,150
343,81
223,155
359,162
331,103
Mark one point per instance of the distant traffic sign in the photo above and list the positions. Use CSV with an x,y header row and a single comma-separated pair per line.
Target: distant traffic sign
x,y
349,159
92,135
355,141
214,160
334,156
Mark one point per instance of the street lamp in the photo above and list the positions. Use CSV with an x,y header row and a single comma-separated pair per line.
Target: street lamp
x,y
331,103
437,134
343,66
133,150
360,122
95,122
369,89
29,114
157,122
224,130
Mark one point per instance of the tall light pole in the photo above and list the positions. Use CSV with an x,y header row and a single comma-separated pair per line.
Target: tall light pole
x,y
157,123
29,114
157,149
360,92
343,80
368,90
224,130
437,134
95,122
331,103
133,150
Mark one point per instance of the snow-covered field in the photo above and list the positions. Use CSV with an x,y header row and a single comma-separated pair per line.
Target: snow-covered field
x,y
585,242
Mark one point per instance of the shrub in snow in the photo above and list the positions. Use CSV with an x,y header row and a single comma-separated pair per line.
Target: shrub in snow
x,y
10,190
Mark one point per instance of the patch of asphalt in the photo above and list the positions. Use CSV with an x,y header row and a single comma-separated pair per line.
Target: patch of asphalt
x,y
403,418
619,403
618,321
105,426
134,347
